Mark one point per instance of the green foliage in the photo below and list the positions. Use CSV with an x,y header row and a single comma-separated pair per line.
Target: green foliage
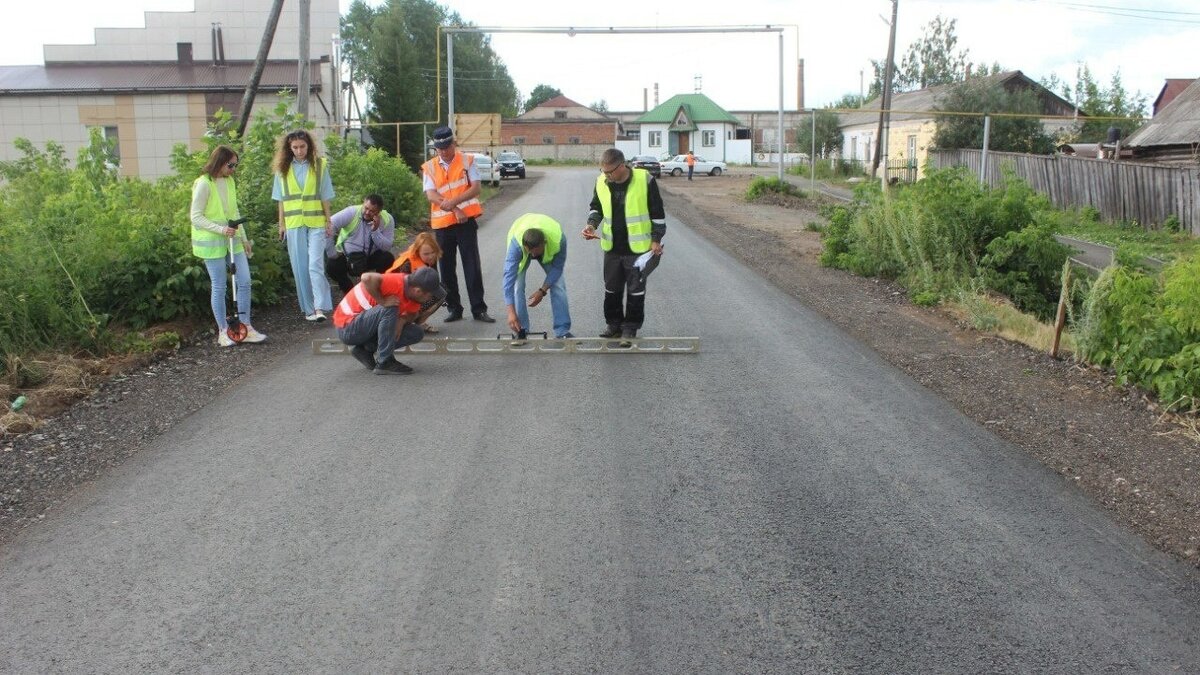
x,y
761,186
1024,265
87,251
1007,134
932,235
393,51
930,60
540,94
829,134
829,169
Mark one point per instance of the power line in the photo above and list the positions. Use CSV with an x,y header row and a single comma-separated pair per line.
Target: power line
x,y
1125,12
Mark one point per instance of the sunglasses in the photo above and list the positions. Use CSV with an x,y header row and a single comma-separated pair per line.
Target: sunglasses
x,y
296,135
231,166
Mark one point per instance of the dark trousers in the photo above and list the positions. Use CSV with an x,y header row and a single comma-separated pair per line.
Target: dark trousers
x,y
462,238
375,331
623,283
338,268
690,170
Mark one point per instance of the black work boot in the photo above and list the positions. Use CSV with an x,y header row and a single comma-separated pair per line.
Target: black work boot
x,y
611,331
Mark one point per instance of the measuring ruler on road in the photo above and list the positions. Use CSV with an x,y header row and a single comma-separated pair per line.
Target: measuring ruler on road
x,y
478,346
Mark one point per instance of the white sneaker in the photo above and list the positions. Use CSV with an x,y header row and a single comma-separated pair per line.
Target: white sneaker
x,y
253,335
223,339
316,317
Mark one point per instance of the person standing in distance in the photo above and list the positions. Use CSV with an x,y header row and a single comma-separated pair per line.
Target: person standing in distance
x,y
628,209
452,185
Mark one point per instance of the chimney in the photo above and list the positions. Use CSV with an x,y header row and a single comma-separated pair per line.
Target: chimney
x,y
645,99
800,86
655,94
213,33
220,44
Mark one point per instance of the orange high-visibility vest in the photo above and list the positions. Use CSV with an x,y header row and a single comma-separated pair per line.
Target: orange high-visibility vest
x,y
414,262
451,182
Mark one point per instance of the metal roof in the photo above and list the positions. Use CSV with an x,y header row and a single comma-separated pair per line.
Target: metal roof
x,y
699,107
921,103
92,78
1176,124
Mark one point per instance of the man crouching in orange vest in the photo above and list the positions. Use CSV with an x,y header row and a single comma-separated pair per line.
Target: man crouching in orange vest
x,y
383,313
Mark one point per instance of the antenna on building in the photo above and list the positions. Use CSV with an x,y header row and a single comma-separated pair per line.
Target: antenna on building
x,y
699,83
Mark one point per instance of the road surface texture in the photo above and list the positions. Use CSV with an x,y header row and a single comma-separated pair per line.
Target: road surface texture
x,y
784,501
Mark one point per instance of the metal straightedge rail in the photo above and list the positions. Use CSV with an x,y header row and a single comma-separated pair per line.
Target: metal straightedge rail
x,y
476,346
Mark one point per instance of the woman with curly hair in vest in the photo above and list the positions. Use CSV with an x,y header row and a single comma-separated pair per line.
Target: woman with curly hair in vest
x,y
304,191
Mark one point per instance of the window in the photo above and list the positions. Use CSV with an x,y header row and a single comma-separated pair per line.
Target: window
x,y
519,140
109,134
548,140
560,114
708,138
655,139
573,140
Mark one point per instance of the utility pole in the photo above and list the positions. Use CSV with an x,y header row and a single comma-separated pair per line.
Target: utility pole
x,y
260,62
885,103
304,89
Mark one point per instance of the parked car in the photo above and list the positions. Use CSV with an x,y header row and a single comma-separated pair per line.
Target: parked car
x,y
677,166
511,164
487,169
647,162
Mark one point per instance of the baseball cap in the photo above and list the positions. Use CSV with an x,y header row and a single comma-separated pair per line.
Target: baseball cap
x,y
427,280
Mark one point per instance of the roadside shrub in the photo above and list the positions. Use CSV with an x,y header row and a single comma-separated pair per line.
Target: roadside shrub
x,y
1026,265
1147,329
357,173
762,186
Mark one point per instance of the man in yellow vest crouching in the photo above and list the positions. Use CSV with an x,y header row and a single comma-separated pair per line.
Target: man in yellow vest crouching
x,y
534,236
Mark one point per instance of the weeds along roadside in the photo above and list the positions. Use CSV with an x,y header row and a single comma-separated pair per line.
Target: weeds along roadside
x,y
990,254
96,263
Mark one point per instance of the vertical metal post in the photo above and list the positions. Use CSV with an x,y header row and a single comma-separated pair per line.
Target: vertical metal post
x,y
987,132
304,90
812,158
780,176
450,80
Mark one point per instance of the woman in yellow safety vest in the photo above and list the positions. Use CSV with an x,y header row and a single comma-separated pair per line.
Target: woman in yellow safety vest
x,y
214,205
304,191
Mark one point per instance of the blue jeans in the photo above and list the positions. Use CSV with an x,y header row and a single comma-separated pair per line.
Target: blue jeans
x,y
306,251
218,274
375,330
559,307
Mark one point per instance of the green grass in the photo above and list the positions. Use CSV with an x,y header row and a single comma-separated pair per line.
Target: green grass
x,y
1134,239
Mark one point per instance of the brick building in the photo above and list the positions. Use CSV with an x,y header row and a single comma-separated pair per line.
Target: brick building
x,y
560,129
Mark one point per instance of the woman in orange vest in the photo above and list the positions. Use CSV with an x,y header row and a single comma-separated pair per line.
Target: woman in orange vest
x,y
424,252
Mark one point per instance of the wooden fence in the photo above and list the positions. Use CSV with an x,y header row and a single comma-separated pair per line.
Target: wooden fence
x,y
1120,191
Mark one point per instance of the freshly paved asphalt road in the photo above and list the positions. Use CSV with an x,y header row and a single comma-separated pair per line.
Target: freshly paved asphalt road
x,y
782,502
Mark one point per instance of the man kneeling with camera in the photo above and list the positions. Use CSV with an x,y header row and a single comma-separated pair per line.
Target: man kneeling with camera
x,y
362,242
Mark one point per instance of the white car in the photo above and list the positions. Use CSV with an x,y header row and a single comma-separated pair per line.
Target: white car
x,y
677,166
489,171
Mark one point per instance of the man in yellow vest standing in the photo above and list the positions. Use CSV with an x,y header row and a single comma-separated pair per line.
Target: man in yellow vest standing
x,y
628,208
452,186
538,237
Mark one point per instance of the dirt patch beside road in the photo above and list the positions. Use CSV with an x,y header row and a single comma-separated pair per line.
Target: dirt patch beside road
x,y
1105,440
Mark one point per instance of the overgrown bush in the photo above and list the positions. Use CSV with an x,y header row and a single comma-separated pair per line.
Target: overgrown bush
x,y
1025,265
1147,328
86,250
761,186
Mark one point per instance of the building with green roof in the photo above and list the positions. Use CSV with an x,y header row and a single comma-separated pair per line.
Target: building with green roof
x,y
688,122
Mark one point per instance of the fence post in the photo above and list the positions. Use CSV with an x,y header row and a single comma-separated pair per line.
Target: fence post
x,y
987,132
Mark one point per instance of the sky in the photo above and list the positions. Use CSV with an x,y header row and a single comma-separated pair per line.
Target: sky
x,y
1146,41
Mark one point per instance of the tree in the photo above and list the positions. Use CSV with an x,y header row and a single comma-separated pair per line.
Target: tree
x,y
541,94
829,135
1008,134
392,50
600,106
1096,101
848,101
930,60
